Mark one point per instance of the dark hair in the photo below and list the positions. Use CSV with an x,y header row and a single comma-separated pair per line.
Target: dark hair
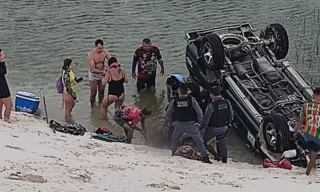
x,y
214,91
316,91
183,88
174,86
0,49
112,60
66,63
146,41
98,41
146,111
169,81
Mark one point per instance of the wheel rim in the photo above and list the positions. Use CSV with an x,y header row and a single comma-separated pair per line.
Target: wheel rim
x,y
207,53
271,134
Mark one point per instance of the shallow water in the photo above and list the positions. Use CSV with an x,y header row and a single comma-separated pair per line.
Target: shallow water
x,y
37,35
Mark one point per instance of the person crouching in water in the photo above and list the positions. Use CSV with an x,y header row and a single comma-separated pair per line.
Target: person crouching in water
x,y
215,122
129,116
115,76
69,95
184,112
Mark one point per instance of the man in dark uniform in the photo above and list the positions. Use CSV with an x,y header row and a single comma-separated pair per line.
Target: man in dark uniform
x,y
147,56
185,112
217,117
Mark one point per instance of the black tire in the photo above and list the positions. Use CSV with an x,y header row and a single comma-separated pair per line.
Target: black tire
x,y
214,43
280,46
281,133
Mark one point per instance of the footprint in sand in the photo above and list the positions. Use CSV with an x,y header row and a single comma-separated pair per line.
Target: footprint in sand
x,y
27,177
13,147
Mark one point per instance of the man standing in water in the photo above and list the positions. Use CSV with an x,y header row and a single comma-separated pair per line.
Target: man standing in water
x,y
147,56
96,58
310,121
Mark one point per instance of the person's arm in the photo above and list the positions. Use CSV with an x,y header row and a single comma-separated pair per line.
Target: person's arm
x,y
105,78
143,128
170,112
125,76
92,65
207,115
301,119
231,114
134,63
198,111
168,93
108,54
160,61
3,68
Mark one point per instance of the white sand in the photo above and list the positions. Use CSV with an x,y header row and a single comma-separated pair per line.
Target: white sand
x,y
69,163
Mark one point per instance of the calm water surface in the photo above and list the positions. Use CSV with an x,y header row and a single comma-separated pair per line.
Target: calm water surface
x,y
37,35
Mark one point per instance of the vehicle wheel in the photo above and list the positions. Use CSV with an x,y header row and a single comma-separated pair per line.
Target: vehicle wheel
x,y
276,133
278,36
212,51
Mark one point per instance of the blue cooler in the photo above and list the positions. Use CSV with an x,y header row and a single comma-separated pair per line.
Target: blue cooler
x,y
26,102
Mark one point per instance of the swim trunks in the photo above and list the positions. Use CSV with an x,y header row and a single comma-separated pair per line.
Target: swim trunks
x,y
95,76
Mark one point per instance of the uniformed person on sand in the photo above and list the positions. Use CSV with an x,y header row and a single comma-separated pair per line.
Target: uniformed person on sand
x,y
185,112
217,117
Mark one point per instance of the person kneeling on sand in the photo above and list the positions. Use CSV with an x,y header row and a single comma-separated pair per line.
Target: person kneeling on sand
x,y
115,76
129,116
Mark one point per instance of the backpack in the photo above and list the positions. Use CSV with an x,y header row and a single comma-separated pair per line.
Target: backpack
x,y
59,85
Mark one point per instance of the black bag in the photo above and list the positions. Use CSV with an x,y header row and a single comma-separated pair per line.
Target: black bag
x,y
74,128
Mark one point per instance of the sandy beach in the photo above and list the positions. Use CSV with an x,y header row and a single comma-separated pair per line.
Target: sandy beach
x,y
36,159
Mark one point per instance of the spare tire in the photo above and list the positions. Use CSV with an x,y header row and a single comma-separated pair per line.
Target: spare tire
x,y
276,133
279,44
212,51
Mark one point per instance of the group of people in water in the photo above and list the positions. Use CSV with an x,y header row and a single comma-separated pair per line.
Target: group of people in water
x,y
187,113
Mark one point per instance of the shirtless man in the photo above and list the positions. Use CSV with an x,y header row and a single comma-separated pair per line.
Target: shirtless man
x,y
96,58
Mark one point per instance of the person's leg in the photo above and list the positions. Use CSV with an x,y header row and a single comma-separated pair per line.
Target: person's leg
x,y
129,132
170,133
93,91
141,84
312,162
100,91
1,104
106,102
69,104
223,149
8,107
151,82
175,139
196,136
119,101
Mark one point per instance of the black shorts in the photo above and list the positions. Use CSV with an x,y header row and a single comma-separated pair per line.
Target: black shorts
x,y
143,83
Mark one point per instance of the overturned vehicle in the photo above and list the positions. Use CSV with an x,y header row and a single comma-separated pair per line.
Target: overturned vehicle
x,y
266,91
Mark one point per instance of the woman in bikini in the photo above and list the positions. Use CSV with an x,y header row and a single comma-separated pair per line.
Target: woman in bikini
x,y
69,95
115,76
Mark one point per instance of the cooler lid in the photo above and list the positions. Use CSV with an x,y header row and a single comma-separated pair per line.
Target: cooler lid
x,y
26,94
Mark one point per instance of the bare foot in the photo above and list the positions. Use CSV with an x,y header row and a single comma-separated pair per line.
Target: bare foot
x,y
7,120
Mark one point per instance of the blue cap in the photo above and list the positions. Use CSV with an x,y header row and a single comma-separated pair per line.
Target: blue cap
x,y
179,77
